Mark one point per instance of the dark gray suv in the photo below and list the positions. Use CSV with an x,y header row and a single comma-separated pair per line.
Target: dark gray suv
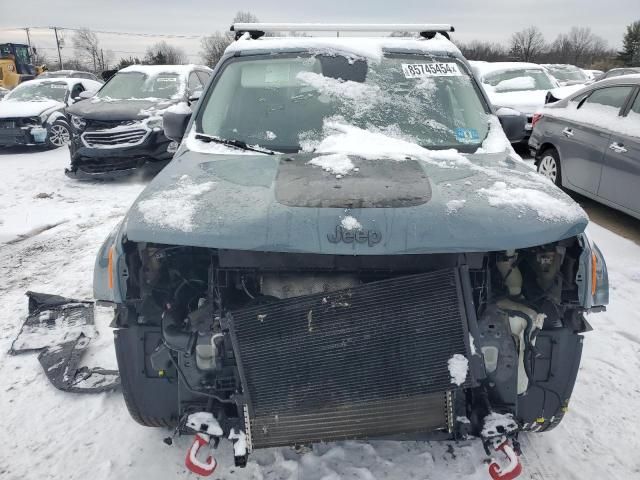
x,y
590,142
345,246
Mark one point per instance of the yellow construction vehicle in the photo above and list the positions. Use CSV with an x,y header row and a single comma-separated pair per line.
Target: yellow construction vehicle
x,y
15,65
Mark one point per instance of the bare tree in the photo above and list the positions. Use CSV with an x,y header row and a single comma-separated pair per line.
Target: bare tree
x,y
162,53
245,17
487,51
213,47
87,47
579,47
527,44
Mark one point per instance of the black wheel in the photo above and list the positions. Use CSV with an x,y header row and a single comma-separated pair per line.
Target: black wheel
x,y
549,166
58,134
152,401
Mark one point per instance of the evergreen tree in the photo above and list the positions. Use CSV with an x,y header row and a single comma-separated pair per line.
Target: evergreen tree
x,y
630,54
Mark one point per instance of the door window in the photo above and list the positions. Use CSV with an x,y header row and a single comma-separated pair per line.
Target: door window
x,y
203,76
635,108
195,84
604,104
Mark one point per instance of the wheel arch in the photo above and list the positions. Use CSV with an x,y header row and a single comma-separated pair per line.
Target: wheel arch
x,y
543,147
55,115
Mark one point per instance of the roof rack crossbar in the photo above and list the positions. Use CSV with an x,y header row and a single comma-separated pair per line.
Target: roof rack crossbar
x,y
260,28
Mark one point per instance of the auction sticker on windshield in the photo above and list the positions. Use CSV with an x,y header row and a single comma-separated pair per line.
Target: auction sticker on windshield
x,y
418,70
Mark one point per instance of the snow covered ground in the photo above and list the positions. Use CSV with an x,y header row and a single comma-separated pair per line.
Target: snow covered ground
x,y
50,230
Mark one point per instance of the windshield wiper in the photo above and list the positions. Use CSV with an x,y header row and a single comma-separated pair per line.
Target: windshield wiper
x,y
233,143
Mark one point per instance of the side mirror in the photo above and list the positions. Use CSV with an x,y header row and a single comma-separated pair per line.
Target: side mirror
x,y
83,95
513,123
195,96
175,124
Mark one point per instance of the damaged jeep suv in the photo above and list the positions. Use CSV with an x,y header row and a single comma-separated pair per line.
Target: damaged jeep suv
x,y
120,128
345,246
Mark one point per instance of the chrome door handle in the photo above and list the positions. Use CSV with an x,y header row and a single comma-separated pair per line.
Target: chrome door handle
x,y
568,132
616,147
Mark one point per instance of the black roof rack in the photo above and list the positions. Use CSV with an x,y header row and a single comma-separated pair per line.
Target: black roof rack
x,y
257,30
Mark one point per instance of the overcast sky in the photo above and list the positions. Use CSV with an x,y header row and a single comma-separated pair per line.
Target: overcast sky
x,y
492,20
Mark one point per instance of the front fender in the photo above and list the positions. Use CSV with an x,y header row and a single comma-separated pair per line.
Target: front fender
x,y
110,269
53,116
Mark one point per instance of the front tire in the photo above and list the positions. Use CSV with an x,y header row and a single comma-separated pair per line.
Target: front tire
x,y
549,166
58,134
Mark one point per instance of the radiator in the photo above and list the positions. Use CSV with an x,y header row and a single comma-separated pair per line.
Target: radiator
x,y
368,361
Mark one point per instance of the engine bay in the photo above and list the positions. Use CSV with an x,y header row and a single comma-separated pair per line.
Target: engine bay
x,y
520,316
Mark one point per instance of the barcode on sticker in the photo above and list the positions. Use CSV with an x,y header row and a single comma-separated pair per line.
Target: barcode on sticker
x,y
418,70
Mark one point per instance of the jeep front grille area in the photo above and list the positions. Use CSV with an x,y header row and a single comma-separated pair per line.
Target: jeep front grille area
x,y
116,138
367,361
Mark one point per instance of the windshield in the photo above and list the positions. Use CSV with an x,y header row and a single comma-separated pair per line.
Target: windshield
x,y
568,74
519,80
33,92
126,85
283,102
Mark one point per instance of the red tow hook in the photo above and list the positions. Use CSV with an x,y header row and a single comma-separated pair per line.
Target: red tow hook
x,y
196,466
510,471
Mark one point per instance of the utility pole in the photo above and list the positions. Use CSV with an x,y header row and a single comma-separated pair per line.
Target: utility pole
x,y
28,38
55,29
104,67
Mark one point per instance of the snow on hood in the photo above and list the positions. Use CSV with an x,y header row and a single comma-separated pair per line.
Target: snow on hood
x,y
174,208
228,198
564,92
528,101
16,108
363,47
522,193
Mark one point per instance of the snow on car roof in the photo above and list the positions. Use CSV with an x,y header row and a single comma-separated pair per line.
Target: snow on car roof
x,y
69,81
560,65
367,47
160,69
485,68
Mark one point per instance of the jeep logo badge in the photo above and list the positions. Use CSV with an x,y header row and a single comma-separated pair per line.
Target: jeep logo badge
x,y
370,237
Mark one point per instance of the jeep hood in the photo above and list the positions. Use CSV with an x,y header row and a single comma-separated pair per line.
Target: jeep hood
x,y
119,110
281,203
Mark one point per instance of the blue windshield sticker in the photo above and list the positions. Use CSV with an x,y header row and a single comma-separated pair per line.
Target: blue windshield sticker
x,y
467,135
